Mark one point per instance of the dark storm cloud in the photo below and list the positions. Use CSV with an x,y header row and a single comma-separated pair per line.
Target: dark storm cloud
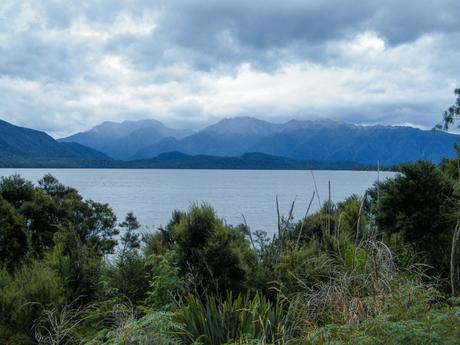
x,y
65,65
223,33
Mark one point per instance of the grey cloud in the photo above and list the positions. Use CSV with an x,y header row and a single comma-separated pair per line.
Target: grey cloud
x,y
214,34
211,39
217,35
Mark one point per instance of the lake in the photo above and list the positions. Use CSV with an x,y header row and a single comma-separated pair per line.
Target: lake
x,y
152,195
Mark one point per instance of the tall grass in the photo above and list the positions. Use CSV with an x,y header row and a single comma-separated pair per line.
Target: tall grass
x,y
371,286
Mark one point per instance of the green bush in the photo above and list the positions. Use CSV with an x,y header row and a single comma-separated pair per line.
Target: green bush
x,y
214,256
243,317
23,297
13,236
418,206
438,326
166,285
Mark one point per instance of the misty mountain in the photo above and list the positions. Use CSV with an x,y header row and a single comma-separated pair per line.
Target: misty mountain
x,y
21,143
123,140
323,140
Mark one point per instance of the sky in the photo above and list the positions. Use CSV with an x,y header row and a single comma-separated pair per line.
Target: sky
x,y
66,66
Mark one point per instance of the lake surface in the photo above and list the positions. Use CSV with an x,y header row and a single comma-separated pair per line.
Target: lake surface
x,y
152,195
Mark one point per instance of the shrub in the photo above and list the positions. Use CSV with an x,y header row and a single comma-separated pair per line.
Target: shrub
x,y
214,256
13,236
24,295
166,285
417,206
241,318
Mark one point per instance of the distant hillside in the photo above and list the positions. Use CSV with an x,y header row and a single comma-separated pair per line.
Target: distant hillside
x,y
27,145
123,140
311,140
228,143
256,161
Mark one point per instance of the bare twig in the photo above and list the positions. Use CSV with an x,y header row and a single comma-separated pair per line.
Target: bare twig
x,y
316,188
304,219
249,232
278,215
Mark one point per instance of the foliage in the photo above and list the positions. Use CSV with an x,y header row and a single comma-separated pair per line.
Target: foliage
x,y
451,114
130,239
242,317
154,328
13,236
438,326
215,256
166,284
23,296
417,206
345,274
127,275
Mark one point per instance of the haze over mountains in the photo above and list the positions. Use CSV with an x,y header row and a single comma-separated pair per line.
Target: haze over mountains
x,y
235,143
322,140
124,140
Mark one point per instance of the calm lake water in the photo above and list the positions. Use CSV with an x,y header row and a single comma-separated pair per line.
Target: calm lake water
x,y
153,194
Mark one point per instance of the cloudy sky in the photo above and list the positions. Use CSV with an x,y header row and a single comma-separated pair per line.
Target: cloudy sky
x,y
68,65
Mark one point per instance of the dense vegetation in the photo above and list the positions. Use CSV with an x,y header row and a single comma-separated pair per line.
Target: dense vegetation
x,y
369,270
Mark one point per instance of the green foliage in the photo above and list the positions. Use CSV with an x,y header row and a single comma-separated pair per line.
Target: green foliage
x,y
79,265
24,295
127,275
438,326
216,257
16,190
452,114
13,236
130,239
329,278
50,207
301,268
355,259
157,328
166,284
242,317
348,216
417,205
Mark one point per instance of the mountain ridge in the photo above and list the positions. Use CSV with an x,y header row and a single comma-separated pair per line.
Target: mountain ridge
x,y
122,140
319,141
312,140
21,143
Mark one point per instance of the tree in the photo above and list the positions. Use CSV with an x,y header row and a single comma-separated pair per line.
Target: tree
x,y
16,190
417,206
53,222
451,114
214,256
13,237
128,274
130,239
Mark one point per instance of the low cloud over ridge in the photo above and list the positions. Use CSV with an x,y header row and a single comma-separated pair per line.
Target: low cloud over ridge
x,y
65,67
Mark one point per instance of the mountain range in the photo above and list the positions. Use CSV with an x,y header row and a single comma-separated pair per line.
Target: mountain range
x,y
124,140
23,144
322,140
236,143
